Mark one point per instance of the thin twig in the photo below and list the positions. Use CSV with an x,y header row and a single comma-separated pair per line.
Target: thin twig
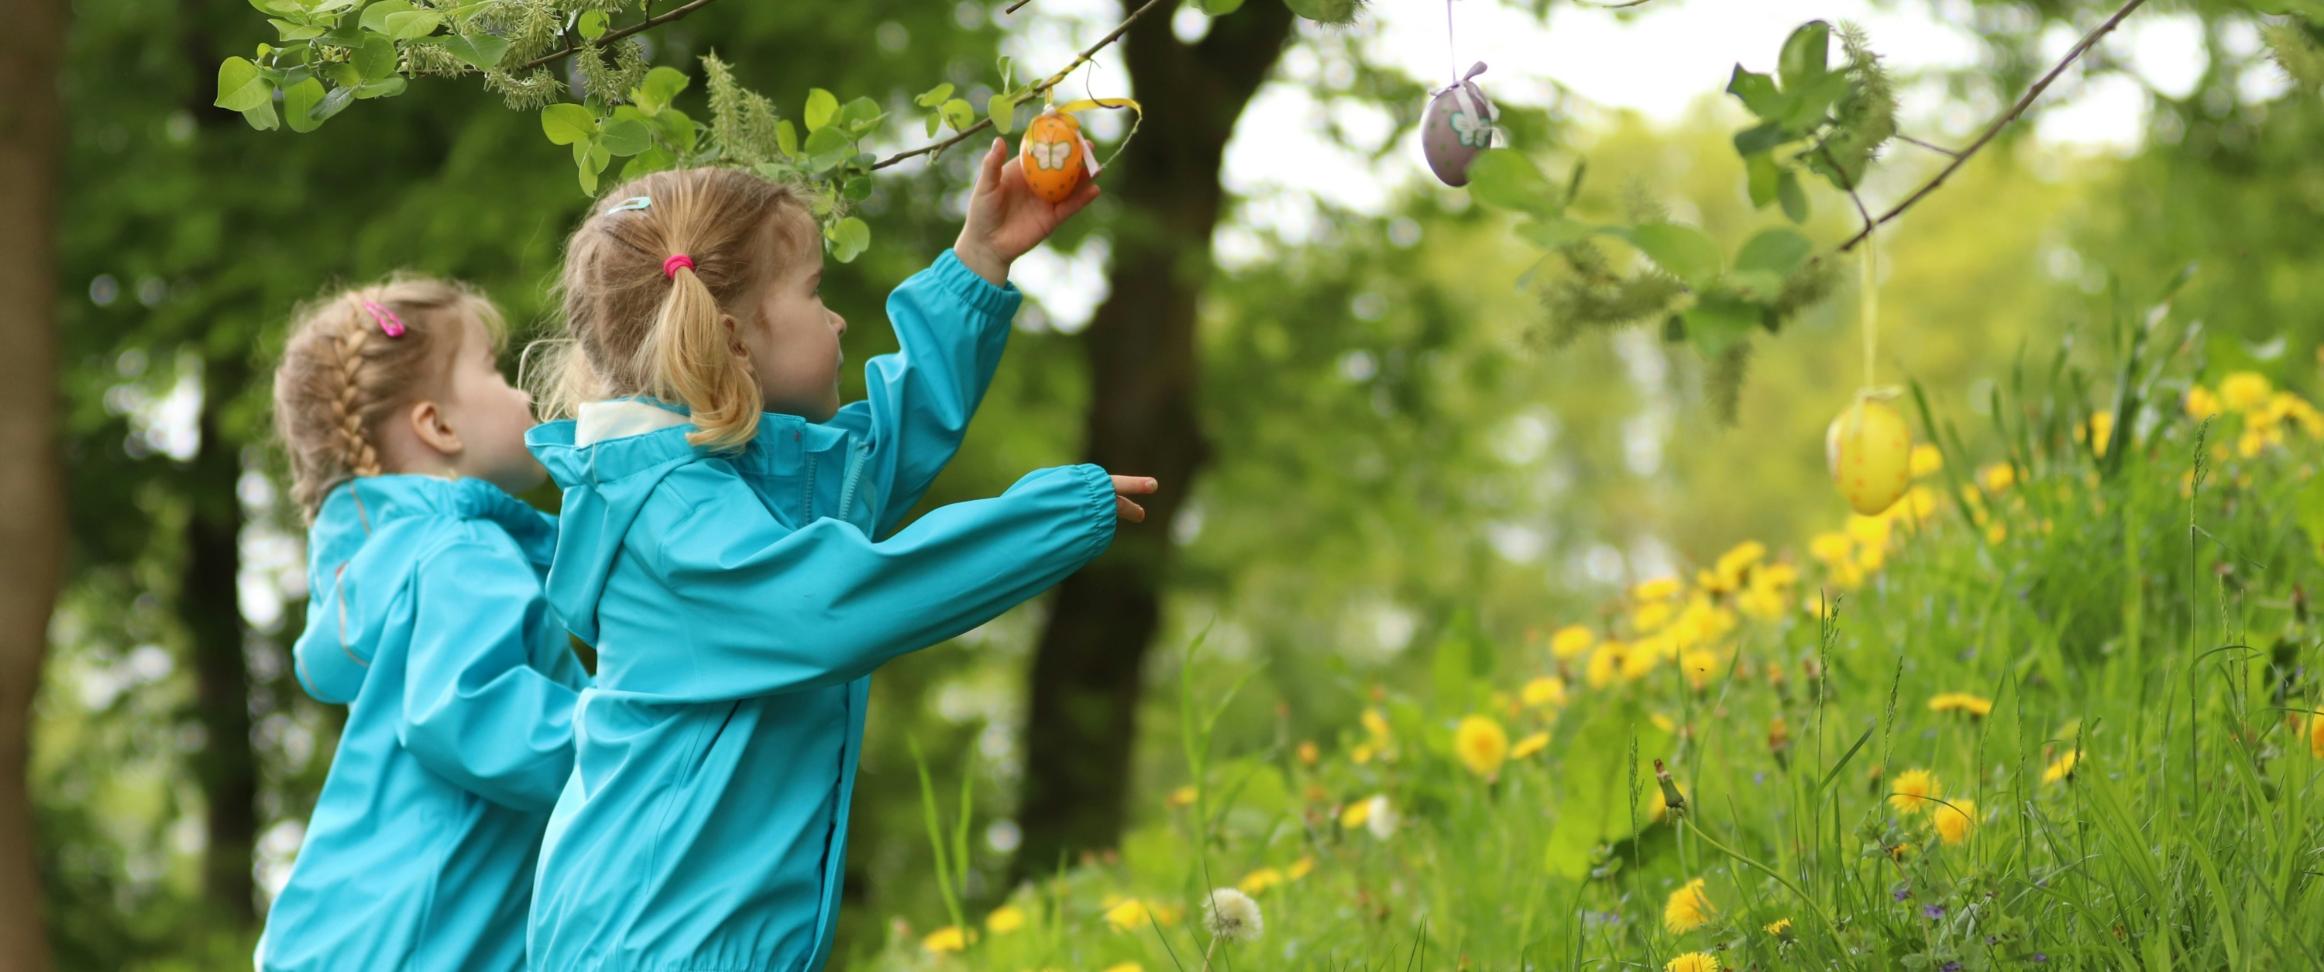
x,y
1846,185
637,28
1939,149
1013,7
2024,101
1046,84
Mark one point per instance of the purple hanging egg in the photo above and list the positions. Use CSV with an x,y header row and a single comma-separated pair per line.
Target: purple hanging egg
x,y
1459,124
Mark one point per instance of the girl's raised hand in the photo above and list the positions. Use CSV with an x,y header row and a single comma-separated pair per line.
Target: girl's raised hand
x,y
1005,218
1128,486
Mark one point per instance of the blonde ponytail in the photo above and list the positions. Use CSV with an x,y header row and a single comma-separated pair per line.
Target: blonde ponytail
x,y
647,286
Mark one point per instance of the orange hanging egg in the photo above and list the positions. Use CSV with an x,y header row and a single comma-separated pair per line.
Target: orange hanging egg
x,y
1055,156
1869,451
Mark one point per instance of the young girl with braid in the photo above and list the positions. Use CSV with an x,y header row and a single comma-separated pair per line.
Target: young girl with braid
x,y
730,545
425,617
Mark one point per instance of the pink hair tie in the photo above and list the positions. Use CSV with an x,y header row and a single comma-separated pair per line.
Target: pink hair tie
x,y
389,324
676,260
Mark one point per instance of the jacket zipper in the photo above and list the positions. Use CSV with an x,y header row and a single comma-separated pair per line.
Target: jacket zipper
x,y
847,485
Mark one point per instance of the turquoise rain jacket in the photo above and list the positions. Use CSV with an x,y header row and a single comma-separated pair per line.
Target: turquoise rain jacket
x,y
425,617
739,603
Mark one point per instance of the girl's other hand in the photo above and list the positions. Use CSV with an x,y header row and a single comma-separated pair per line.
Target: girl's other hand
x,y
1128,486
1005,218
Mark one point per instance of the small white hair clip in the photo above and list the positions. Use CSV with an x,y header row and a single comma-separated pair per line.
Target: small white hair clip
x,y
633,202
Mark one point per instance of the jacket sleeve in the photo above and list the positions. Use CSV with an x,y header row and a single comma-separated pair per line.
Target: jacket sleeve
x,y
764,609
475,711
952,326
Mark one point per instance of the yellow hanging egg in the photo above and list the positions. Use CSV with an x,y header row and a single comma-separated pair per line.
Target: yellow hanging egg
x,y
1869,451
1055,156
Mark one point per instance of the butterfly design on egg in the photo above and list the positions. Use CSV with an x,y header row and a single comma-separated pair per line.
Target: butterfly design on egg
x,y
1049,155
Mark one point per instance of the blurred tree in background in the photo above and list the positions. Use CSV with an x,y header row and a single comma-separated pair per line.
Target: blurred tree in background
x,y
1369,440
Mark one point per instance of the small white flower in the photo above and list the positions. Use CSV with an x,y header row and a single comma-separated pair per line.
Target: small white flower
x,y
1232,915
1382,821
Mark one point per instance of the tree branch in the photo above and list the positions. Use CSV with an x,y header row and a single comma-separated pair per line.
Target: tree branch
x,y
640,27
1042,88
1931,146
2023,102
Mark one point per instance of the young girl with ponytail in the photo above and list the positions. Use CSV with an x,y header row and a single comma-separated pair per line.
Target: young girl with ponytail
x,y
730,547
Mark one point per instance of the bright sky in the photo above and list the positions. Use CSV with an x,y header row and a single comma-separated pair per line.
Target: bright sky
x,y
1657,60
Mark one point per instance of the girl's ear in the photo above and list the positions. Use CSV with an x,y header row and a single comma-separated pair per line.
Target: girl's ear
x,y
733,338
428,422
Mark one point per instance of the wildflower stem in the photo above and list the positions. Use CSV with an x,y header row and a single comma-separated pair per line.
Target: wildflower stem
x,y
1795,889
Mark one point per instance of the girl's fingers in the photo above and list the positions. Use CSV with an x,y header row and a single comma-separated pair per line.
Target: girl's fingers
x,y
1129,511
1073,203
992,162
1135,485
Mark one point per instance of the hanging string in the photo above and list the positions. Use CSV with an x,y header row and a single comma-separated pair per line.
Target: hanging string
x,y
1870,288
1452,61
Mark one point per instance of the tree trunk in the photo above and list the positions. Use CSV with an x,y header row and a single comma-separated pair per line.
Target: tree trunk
x,y
32,502
210,603
1144,373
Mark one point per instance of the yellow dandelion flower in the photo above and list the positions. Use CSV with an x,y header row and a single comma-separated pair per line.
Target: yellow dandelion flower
x,y
1658,589
1920,503
1780,928
1978,706
1911,792
1362,754
1570,641
1126,967
2101,432
1482,745
1309,754
1869,531
1699,666
1997,477
1761,601
1641,658
1376,724
1130,915
1650,617
2063,768
1182,797
1733,563
1259,881
1606,664
1956,820
1546,690
2245,391
2303,414
945,940
2201,404
1356,814
1529,745
1005,919
1927,460
1831,548
1687,909
1693,962
1995,533
2316,735
1300,868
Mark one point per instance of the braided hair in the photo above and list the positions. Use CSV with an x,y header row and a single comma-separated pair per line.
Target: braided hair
x,y
352,360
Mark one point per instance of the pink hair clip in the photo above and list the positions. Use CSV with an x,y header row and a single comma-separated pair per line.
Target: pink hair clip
x,y
389,324
676,260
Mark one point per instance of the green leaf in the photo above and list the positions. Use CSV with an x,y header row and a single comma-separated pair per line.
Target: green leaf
x,y
857,189
2310,513
287,31
1718,323
262,117
375,16
1806,55
651,160
821,106
592,26
1002,109
1007,69
934,96
1598,781
375,58
860,116
1760,139
1810,102
387,87
1776,250
1758,94
1221,8
1508,180
568,124
849,237
787,138
298,105
677,129
959,114
241,86
1682,251
627,135
484,51
828,147
1794,198
659,89
1762,173
413,25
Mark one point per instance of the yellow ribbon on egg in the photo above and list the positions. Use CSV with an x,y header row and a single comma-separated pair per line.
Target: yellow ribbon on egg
x,y
1137,115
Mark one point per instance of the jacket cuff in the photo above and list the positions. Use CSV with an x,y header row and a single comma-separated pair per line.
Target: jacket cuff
x,y
1100,490
958,280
